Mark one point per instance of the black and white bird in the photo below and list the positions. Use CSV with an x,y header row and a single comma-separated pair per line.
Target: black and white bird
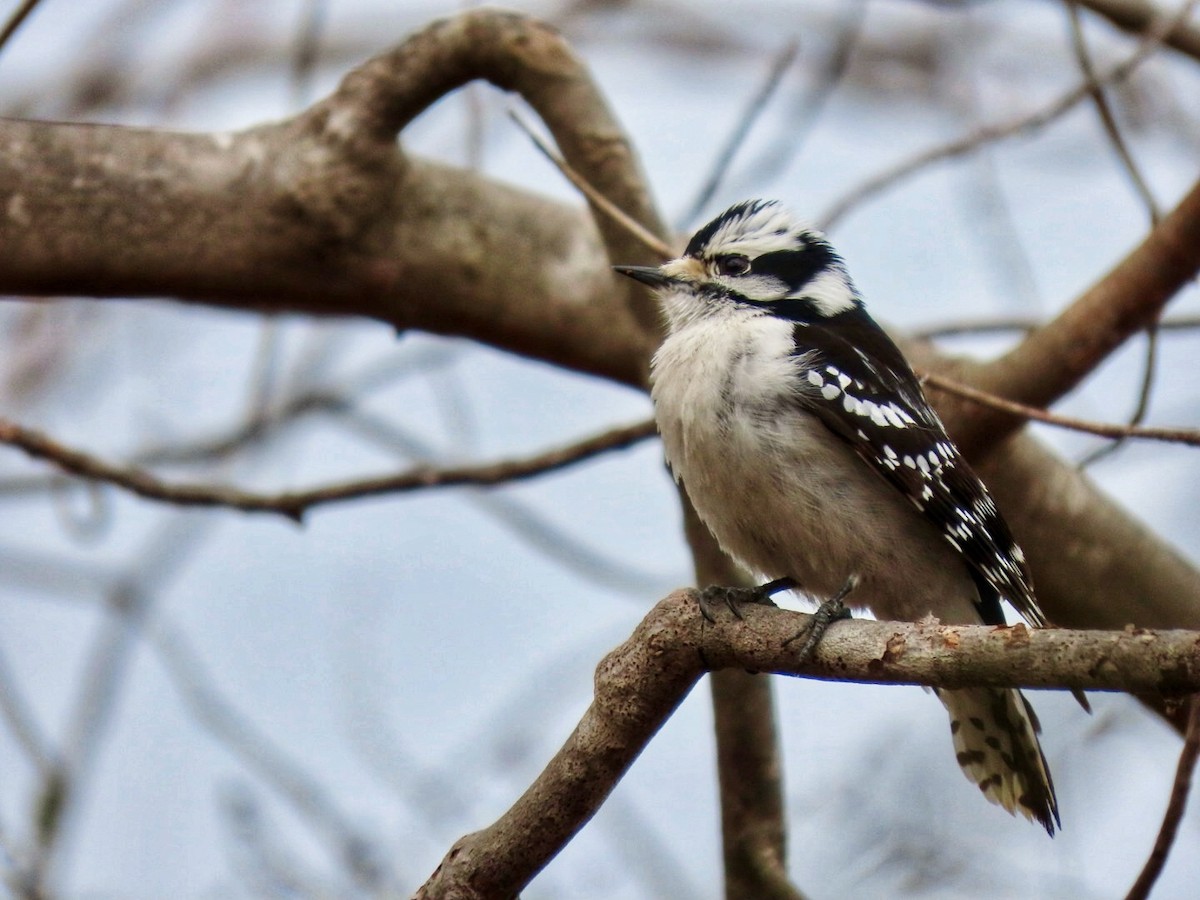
x,y
805,443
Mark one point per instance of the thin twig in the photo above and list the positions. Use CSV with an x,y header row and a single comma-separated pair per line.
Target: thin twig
x,y
598,200
294,504
768,164
306,51
1003,130
1008,324
22,724
754,109
257,752
1121,147
1107,117
1175,807
15,21
1142,407
1115,431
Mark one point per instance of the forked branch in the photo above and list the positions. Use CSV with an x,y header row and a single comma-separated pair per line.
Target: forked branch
x,y
640,683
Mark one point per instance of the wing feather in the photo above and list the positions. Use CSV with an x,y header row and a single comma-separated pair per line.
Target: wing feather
x,y
874,402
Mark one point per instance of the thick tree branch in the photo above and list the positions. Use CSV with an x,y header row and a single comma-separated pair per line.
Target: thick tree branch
x,y
519,54
1138,16
312,215
749,764
640,684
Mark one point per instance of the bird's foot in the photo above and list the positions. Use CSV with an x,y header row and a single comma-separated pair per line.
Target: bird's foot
x,y
716,596
827,613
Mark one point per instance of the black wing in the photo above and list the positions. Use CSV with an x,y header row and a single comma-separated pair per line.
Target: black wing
x,y
861,387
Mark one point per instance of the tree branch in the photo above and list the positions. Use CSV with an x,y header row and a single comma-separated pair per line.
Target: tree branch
x,y
1020,125
294,504
1138,16
1056,357
1175,807
520,54
749,764
639,684
1101,429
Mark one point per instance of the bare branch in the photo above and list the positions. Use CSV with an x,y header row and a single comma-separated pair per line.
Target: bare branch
x,y
20,14
1053,359
1121,147
779,65
523,55
1107,117
1175,807
1012,128
1102,429
294,504
1009,324
749,759
1138,16
598,200
641,682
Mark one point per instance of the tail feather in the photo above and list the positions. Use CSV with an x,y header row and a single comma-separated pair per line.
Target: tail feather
x,y
995,740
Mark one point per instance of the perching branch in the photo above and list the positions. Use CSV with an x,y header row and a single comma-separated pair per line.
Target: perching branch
x,y
639,684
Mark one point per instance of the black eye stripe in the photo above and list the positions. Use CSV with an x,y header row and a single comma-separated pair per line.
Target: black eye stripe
x,y
795,268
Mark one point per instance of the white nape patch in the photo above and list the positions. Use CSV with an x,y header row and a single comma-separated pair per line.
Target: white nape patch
x,y
770,227
830,292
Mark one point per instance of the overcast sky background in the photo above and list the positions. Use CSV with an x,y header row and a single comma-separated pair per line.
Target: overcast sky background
x,y
418,659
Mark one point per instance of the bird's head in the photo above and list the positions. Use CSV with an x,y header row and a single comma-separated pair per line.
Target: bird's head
x,y
756,257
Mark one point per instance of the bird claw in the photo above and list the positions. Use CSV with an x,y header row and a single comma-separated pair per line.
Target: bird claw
x,y
716,596
830,611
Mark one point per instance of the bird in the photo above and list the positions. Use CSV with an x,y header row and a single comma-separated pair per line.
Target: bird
x,y
804,441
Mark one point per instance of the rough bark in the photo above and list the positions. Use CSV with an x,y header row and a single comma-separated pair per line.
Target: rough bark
x,y
639,684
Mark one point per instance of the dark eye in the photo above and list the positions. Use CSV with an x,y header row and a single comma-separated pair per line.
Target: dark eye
x,y
733,264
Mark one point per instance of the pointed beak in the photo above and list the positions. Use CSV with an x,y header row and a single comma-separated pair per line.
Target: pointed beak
x,y
648,275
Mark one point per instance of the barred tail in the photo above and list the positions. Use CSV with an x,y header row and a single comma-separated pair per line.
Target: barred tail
x,y
995,740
